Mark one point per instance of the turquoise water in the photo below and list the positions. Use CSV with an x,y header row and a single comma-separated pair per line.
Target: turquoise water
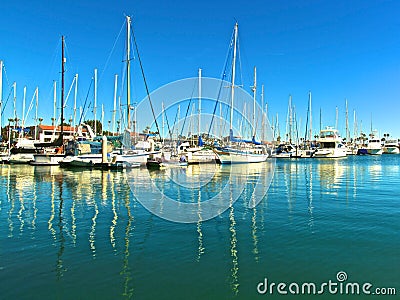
x,y
83,235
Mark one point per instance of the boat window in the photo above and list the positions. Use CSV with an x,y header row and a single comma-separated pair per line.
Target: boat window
x,y
327,134
328,145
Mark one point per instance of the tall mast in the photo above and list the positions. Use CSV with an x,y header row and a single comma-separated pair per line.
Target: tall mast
x,y
23,114
15,104
1,94
163,121
355,133
337,118
310,116
290,123
128,72
233,73
76,94
262,113
62,87
371,123
347,124
102,118
95,102
115,103
36,112
254,101
320,119
54,103
199,109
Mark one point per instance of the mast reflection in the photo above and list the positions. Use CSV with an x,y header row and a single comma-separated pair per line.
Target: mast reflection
x,y
234,252
126,271
61,240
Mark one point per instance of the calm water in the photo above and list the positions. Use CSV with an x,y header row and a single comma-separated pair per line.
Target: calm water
x,y
83,235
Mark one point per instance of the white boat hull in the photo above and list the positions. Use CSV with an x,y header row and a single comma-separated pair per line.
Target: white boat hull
x,y
21,158
133,158
200,157
47,159
239,157
330,153
374,151
282,155
87,160
303,153
391,150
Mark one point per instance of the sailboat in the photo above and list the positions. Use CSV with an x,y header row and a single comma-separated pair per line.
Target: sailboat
x,y
128,156
4,147
197,154
133,155
305,150
52,152
239,150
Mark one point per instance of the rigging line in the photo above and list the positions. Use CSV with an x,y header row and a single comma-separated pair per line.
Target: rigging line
x,y
145,82
176,117
84,105
223,76
169,129
240,62
5,103
305,135
5,73
187,111
112,51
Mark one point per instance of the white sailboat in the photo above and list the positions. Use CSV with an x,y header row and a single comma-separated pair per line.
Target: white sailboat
x,y
4,147
197,154
52,153
240,151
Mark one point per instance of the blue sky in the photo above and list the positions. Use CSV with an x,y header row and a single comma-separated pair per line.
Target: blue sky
x,y
336,49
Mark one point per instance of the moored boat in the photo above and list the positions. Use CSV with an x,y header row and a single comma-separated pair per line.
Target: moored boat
x,y
374,146
391,147
330,144
241,154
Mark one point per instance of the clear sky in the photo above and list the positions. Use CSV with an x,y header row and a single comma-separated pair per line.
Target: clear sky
x,y
336,49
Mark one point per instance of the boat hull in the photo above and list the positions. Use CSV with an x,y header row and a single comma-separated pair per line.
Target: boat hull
x,y
239,157
21,158
374,151
330,153
201,157
391,150
47,159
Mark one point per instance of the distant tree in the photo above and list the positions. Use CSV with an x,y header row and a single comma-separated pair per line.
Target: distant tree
x,y
147,129
99,126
